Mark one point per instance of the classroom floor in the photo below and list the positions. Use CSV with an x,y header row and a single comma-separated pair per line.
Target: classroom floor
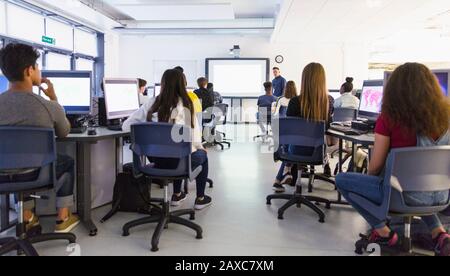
x,y
238,223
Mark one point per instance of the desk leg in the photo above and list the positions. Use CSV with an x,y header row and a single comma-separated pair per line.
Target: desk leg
x,y
353,156
119,155
340,165
84,195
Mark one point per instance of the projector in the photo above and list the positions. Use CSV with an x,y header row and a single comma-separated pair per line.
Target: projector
x,y
236,51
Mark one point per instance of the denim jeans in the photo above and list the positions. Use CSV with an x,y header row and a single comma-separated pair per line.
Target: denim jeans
x,y
292,150
371,188
198,158
65,175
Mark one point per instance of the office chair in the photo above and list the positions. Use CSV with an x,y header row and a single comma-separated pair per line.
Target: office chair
x,y
155,140
294,133
217,115
27,160
222,120
264,117
430,173
342,115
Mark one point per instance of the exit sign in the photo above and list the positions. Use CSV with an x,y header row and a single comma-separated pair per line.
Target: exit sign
x,y
48,40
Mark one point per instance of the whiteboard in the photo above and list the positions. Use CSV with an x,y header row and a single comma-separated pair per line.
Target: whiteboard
x,y
238,77
190,69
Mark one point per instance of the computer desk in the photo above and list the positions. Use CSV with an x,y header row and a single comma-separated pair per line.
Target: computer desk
x,y
366,140
84,144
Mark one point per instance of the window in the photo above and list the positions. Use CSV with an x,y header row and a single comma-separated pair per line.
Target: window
x,y
62,33
2,18
85,43
58,62
33,30
84,65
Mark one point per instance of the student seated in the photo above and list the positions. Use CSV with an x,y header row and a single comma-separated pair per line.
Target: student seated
x,y
218,99
283,102
203,94
347,100
413,106
143,87
313,104
265,103
173,105
19,106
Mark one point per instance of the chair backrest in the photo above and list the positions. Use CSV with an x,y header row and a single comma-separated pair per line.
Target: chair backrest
x,y
419,169
344,114
28,148
161,140
298,132
220,112
283,111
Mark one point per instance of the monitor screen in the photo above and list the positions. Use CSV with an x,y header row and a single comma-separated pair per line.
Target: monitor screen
x,y
335,94
157,90
121,97
443,78
3,84
371,98
73,89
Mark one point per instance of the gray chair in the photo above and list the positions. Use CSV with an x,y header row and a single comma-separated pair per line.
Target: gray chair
x,y
424,169
27,163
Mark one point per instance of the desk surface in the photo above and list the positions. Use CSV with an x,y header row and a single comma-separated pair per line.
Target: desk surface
x,y
102,134
365,140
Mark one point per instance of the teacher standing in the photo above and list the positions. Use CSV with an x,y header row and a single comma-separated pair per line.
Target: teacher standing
x,y
278,83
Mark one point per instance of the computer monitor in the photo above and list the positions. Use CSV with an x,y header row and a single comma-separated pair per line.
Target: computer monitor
x,y
73,89
157,90
4,84
335,93
121,97
444,80
371,99
443,77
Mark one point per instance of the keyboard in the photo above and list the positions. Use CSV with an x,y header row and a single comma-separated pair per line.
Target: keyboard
x,y
78,130
115,127
348,130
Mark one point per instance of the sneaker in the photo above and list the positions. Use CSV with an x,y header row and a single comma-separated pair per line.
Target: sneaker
x,y
288,180
278,188
33,223
68,225
391,241
201,204
443,245
178,199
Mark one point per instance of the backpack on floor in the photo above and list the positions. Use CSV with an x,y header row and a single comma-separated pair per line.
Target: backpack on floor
x,y
131,195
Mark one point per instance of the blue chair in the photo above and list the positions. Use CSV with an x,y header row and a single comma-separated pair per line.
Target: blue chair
x,y
297,132
27,165
425,169
153,140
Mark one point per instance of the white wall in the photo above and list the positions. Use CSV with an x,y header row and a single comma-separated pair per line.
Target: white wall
x,y
138,53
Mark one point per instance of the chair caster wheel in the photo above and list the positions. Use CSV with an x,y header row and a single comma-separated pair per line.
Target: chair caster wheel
x,y
93,233
192,217
268,202
125,234
328,206
322,220
199,237
155,249
280,217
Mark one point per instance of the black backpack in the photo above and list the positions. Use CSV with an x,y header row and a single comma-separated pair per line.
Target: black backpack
x,y
131,194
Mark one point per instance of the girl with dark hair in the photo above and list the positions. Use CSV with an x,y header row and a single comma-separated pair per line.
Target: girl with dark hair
x,y
347,100
413,106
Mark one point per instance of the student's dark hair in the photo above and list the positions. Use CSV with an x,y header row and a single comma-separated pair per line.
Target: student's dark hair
x,y
179,68
210,86
348,85
15,58
202,82
268,86
413,98
142,83
276,68
173,88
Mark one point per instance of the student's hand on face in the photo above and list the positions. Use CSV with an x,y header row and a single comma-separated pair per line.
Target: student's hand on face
x,y
50,91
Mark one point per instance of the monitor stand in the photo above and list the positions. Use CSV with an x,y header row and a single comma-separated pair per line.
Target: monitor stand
x,y
115,125
77,124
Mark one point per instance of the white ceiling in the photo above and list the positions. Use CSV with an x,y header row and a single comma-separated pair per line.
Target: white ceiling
x,y
241,8
353,20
